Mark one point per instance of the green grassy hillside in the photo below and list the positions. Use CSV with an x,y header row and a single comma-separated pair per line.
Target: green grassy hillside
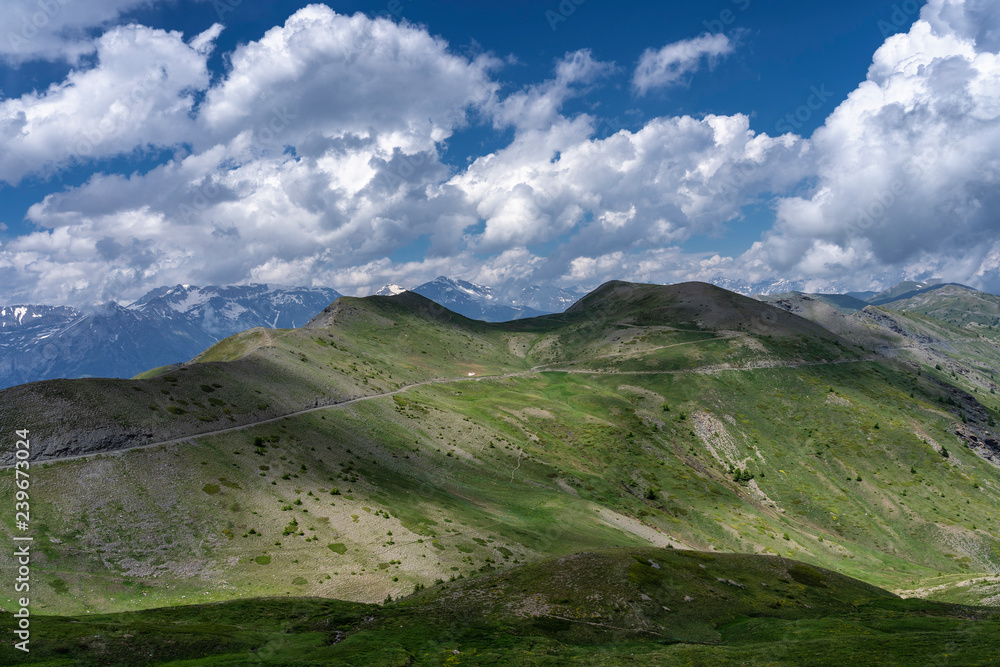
x,y
640,606
955,304
391,444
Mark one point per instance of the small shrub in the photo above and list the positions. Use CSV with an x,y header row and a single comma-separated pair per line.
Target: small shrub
x,y
807,575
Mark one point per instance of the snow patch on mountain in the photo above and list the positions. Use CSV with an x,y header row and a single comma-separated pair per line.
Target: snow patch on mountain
x,y
390,290
167,325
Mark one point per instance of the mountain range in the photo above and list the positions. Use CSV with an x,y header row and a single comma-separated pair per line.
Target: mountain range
x,y
166,326
480,302
172,324
671,473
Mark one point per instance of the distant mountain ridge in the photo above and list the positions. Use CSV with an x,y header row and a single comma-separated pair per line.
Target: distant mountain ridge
x,y
168,325
476,302
491,304
172,324
950,302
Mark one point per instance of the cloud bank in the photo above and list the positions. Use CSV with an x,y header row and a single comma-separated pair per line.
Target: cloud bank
x,y
316,157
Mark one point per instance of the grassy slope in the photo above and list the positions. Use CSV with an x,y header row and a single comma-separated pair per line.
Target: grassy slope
x,y
955,304
632,436
375,347
639,605
966,356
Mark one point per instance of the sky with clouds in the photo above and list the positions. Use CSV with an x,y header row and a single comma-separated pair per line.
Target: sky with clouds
x,y
349,145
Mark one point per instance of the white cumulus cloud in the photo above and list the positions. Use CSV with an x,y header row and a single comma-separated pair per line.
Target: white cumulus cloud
x,y
908,178
669,65
317,155
139,94
333,75
55,29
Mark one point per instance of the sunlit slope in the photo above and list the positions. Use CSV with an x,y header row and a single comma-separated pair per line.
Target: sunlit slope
x,y
680,416
966,356
955,304
360,347
375,346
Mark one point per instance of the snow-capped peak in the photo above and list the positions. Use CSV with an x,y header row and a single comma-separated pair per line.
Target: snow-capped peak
x,y
390,290
442,286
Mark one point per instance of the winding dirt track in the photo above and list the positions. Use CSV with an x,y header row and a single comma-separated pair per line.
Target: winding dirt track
x,y
534,371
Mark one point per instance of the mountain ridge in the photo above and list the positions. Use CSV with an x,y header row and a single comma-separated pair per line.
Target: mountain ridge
x,y
403,443
167,325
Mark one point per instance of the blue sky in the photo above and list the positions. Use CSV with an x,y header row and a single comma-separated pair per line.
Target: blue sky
x,y
750,143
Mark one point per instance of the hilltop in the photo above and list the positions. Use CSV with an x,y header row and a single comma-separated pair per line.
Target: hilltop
x,y
689,305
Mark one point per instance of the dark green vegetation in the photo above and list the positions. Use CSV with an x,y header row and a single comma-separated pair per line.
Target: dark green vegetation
x,y
639,606
419,446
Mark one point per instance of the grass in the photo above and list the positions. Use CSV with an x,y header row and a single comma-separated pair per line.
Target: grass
x,y
607,607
